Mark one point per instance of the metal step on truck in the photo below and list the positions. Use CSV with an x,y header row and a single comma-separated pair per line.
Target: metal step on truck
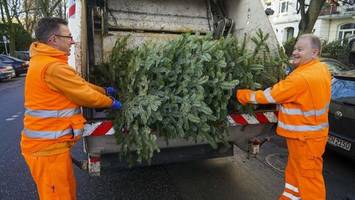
x,y
97,24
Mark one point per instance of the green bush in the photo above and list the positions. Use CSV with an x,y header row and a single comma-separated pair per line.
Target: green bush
x,y
337,49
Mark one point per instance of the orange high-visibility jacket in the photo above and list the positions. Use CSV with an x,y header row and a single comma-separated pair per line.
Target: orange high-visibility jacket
x,y
304,98
53,95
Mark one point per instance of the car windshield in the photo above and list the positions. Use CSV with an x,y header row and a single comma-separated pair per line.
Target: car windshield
x,y
343,90
10,58
333,67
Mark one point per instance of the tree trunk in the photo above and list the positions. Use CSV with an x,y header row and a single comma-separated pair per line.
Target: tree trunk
x,y
309,17
10,26
12,43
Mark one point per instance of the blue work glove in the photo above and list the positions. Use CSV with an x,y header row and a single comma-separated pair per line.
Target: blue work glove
x,y
111,91
116,105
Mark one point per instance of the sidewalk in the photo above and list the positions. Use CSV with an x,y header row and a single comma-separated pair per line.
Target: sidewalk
x,y
273,152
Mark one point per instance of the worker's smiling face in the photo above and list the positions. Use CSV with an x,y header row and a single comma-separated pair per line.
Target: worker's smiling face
x,y
62,39
303,52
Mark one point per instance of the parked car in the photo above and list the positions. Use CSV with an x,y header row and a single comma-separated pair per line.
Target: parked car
x,y
342,114
334,65
7,72
23,55
19,65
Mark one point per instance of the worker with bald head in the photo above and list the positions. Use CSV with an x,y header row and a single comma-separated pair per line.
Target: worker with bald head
x,y
303,98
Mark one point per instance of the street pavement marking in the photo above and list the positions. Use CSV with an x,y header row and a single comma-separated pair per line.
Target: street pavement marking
x,y
13,117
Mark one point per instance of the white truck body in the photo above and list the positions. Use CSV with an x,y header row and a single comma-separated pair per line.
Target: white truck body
x,y
96,25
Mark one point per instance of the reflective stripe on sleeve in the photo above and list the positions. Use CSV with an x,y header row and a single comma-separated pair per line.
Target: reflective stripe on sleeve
x,y
291,196
53,113
252,98
52,134
291,187
295,111
302,128
267,94
78,132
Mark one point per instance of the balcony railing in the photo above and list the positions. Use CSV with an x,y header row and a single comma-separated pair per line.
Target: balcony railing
x,y
329,11
334,10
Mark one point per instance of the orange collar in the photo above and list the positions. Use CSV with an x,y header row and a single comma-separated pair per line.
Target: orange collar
x,y
42,49
303,66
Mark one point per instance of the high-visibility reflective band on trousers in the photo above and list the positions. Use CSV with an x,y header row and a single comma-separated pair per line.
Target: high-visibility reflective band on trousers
x,y
303,174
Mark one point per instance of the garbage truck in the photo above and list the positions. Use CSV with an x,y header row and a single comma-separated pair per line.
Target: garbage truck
x,y
97,24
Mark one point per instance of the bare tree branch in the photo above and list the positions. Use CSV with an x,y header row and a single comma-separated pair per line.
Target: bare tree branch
x,y
309,16
8,21
2,12
55,6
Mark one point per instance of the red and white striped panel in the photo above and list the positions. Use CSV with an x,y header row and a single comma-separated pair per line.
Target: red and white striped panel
x,y
257,118
71,10
99,128
105,127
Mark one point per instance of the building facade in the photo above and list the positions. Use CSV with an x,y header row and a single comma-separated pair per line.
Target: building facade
x,y
335,22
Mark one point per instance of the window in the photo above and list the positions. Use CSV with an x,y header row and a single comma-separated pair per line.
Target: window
x,y
343,89
346,30
348,2
283,7
267,2
289,33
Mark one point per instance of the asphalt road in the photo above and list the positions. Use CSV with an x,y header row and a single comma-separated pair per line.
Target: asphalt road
x,y
229,178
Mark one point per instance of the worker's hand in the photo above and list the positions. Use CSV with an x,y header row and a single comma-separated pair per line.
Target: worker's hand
x,y
243,96
116,105
111,91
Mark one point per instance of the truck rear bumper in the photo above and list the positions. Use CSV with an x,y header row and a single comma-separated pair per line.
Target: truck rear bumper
x,y
111,163
106,144
103,151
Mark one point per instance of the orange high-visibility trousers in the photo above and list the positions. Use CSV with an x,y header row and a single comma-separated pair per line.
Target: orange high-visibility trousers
x,y
304,170
53,175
